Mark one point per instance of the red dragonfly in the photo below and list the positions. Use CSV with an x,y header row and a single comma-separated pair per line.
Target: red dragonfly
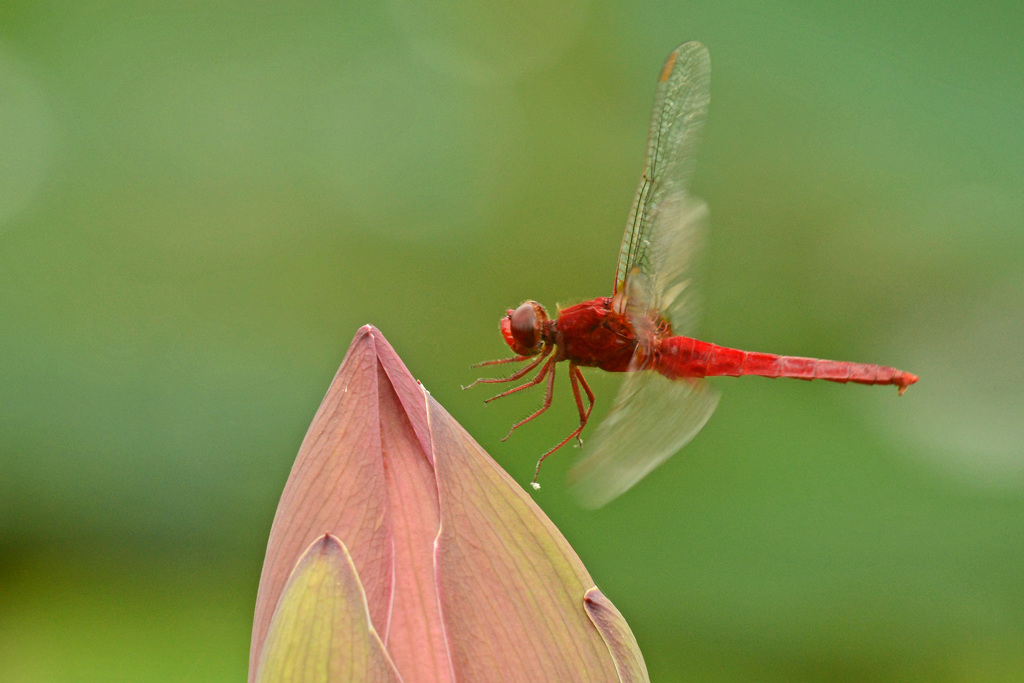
x,y
663,401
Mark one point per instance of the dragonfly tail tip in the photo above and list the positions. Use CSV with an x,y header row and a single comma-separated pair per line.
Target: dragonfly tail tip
x,y
906,379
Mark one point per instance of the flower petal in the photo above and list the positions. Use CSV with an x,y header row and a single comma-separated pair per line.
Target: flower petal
x,y
336,486
621,643
365,474
511,587
321,629
464,576
415,635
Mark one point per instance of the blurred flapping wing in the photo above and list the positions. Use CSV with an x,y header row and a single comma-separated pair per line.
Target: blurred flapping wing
x,y
653,417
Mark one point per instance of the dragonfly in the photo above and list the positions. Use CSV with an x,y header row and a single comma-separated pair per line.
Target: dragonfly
x,y
664,400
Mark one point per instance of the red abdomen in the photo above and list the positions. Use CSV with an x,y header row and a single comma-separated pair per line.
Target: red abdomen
x,y
677,357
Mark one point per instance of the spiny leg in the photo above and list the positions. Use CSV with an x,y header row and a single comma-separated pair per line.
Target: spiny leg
x,y
575,375
515,375
549,370
513,359
525,385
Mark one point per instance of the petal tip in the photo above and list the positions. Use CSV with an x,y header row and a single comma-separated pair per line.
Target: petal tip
x,y
621,644
321,623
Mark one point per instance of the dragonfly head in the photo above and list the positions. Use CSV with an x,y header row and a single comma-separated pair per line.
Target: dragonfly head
x,y
524,328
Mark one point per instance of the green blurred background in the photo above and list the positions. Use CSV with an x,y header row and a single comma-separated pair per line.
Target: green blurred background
x,y
200,203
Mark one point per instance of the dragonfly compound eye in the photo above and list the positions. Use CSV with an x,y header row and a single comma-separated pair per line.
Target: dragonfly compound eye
x,y
525,324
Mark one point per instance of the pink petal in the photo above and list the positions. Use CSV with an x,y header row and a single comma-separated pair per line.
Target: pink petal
x,y
464,576
609,621
321,629
511,587
336,486
364,473
415,636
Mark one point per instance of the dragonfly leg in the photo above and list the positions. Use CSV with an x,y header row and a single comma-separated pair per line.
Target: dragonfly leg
x,y
549,370
576,377
514,376
513,359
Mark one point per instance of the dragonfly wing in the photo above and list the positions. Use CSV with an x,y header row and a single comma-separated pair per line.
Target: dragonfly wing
x,y
678,239
652,418
680,107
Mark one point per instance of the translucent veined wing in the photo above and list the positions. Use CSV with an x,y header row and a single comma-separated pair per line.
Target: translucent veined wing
x,y
680,106
668,289
652,417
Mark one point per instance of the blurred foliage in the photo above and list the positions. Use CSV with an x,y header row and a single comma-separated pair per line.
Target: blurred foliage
x,y
201,202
